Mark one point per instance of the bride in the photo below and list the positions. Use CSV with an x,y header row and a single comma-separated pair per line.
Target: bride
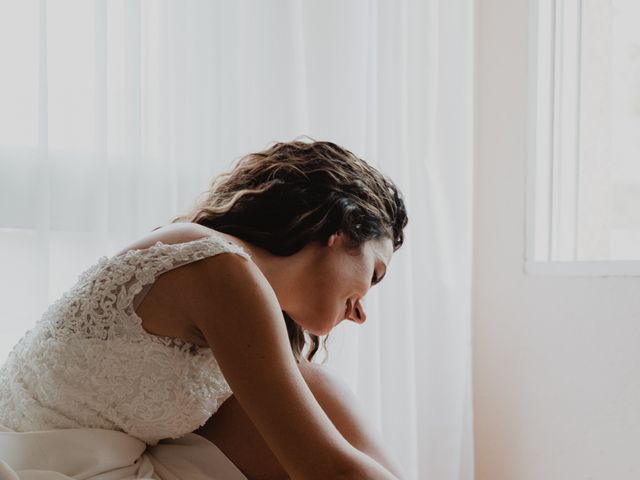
x,y
172,339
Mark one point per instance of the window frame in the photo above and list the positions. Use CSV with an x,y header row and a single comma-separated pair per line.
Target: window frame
x,y
551,229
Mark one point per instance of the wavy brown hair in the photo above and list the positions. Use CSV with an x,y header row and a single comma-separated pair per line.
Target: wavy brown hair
x,y
293,193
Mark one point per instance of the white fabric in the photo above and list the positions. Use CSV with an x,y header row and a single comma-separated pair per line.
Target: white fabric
x,y
89,363
94,454
134,106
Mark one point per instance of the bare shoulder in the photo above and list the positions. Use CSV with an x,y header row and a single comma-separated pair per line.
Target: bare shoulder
x,y
181,295
222,283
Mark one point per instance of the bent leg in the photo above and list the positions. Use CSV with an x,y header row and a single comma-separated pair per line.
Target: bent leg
x,y
231,430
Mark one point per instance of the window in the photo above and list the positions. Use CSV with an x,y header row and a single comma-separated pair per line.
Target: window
x,y
584,137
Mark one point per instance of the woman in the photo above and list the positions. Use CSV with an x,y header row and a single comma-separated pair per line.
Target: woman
x,y
152,341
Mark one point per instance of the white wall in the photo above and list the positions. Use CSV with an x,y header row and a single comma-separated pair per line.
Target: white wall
x,y
556,359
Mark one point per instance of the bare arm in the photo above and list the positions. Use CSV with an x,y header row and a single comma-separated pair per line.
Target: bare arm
x,y
235,435
237,312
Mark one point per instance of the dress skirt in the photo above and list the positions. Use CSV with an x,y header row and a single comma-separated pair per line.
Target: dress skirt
x,y
95,454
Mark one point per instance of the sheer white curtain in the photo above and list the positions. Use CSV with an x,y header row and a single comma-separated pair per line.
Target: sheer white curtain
x,y
116,114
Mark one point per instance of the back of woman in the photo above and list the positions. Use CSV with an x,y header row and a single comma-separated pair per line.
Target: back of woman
x,y
89,363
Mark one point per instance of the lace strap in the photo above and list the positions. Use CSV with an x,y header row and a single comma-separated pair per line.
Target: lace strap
x,y
100,305
161,257
177,254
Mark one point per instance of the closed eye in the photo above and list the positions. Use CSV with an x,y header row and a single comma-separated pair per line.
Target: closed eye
x,y
375,280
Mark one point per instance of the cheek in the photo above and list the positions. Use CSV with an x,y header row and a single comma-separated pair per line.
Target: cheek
x,y
326,285
324,305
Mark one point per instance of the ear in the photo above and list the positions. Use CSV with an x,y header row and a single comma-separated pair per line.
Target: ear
x,y
334,238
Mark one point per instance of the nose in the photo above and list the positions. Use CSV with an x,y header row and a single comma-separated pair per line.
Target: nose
x,y
355,312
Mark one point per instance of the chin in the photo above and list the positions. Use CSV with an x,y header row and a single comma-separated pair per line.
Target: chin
x,y
314,330
318,330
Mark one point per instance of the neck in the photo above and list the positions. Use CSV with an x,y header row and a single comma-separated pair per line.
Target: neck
x,y
282,273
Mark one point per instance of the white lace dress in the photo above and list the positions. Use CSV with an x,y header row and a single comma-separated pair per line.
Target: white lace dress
x,y
88,363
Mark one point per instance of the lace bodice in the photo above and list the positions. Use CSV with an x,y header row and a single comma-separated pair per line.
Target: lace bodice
x,y
89,363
